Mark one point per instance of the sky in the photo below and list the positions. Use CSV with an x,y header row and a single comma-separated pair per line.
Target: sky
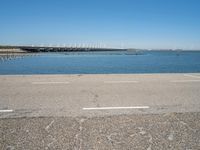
x,y
149,24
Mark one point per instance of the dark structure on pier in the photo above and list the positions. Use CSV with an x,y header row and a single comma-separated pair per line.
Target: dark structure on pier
x,y
60,49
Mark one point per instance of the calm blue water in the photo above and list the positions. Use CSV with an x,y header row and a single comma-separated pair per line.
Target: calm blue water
x,y
104,63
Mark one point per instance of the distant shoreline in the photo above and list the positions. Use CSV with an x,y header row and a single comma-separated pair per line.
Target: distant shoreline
x,y
11,51
29,49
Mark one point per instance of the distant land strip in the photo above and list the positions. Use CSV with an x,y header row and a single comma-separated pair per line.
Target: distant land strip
x,y
33,49
37,49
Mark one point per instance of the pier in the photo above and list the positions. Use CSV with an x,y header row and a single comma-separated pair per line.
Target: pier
x,y
34,49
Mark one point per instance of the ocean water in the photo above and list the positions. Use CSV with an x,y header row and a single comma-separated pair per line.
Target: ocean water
x,y
120,62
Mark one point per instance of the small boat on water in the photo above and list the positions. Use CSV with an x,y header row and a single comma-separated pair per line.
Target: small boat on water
x,y
134,52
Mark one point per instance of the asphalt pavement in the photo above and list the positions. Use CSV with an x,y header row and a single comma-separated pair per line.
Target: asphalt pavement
x,y
125,111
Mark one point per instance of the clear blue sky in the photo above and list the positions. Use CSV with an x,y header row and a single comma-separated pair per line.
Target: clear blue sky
x,y
132,23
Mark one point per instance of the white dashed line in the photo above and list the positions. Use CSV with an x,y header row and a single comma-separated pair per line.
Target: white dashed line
x,y
115,82
193,76
111,108
184,81
6,111
41,83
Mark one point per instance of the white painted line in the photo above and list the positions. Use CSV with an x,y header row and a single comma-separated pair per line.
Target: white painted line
x,y
115,82
48,126
6,111
41,83
184,81
193,76
111,108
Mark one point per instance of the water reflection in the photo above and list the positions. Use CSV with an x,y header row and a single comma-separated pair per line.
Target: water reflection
x,y
7,57
102,62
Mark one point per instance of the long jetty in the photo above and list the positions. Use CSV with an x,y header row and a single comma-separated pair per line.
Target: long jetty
x,y
36,49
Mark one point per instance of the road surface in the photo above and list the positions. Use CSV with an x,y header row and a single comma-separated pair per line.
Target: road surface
x,y
140,111
89,95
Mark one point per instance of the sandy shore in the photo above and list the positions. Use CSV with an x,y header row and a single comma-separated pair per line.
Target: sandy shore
x,y
14,50
7,53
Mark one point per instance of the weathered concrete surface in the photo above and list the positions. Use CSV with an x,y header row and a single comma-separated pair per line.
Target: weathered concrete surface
x,y
142,132
48,112
67,95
